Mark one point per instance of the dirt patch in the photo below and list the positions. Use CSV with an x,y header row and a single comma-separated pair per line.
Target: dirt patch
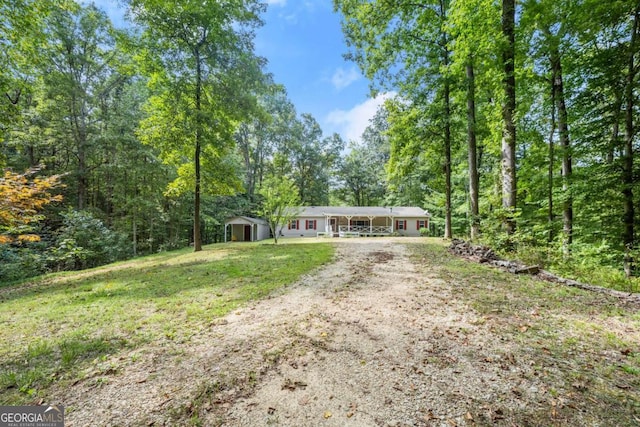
x,y
371,339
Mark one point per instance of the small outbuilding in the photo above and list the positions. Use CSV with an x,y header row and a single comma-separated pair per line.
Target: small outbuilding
x,y
245,229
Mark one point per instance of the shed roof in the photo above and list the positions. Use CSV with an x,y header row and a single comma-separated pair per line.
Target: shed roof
x,y
245,220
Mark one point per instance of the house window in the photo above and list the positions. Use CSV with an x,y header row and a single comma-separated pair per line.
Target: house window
x,y
422,224
294,225
401,224
311,224
360,223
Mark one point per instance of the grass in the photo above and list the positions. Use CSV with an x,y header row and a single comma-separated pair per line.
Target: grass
x,y
55,327
583,347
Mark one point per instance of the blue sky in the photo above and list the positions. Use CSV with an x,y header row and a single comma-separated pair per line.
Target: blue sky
x,y
303,43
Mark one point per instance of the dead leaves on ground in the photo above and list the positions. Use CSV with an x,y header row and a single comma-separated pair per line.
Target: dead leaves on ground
x,y
291,385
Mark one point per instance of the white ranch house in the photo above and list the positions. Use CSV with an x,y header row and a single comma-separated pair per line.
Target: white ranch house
x,y
336,221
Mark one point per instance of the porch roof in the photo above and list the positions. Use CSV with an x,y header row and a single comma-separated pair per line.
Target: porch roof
x,y
363,211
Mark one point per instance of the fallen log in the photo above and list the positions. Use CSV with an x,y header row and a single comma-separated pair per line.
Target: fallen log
x,y
532,269
550,277
484,254
515,267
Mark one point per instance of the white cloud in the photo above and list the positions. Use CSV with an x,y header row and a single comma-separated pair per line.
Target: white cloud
x,y
352,123
290,18
277,2
342,78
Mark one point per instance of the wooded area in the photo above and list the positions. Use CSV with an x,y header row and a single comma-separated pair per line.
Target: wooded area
x,y
512,122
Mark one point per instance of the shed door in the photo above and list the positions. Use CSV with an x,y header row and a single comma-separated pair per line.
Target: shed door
x,y
247,233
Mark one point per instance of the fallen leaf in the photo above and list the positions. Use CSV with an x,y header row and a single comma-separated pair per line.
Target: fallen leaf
x,y
429,416
327,414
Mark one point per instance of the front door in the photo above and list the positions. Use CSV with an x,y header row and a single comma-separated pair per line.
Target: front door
x,y
333,225
247,233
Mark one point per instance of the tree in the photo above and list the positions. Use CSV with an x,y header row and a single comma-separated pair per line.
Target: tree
x,y
22,199
203,69
307,158
475,29
22,37
79,74
359,177
628,179
280,201
509,183
405,46
258,138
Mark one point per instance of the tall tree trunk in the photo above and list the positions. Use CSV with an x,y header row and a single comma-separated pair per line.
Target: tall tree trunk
x,y
447,158
615,129
627,160
197,237
509,185
134,223
80,136
550,215
245,149
473,151
448,233
565,145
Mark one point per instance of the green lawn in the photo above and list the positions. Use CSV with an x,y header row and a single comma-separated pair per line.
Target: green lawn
x,y
53,326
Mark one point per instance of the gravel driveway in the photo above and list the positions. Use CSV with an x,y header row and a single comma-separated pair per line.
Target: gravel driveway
x,y
371,339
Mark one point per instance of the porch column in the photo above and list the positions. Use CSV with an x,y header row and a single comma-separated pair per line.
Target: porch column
x,y
392,224
225,232
349,222
371,224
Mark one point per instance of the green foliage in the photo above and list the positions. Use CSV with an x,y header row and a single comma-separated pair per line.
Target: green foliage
x,y
361,181
280,201
84,241
17,263
308,159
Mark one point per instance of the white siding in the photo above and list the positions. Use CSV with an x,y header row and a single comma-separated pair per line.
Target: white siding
x,y
411,230
302,230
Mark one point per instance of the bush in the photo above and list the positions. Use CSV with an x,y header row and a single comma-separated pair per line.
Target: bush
x,y
85,242
17,263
